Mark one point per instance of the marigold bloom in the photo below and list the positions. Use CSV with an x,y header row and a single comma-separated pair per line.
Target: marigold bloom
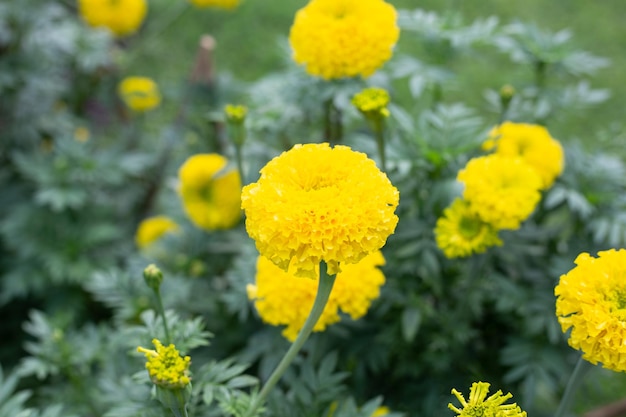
x,y
502,191
221,4
315,203
152,229
281,298
140,94
344,38
480,405
372,102
166,367
460,232
122,17
210,192
532,143
591,300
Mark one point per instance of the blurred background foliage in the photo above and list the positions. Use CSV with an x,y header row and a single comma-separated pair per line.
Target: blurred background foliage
x,y
78,172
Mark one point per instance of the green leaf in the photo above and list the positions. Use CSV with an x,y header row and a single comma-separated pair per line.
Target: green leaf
x,y
411,321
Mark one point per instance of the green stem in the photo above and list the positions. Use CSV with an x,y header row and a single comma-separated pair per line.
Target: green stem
x,y
182,411
380,142
437,94
161,311
239,160
581,368
333,127
324,288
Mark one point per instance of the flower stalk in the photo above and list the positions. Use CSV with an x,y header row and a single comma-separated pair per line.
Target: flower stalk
x,y
378,129
235,119
153,277
372,103
161,311
325,287
580,370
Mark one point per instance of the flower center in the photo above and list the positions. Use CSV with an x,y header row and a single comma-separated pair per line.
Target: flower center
x,y
469,227
522,146
205,192
617,298
316,182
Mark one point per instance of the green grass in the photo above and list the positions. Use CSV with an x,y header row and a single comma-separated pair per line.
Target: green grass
x,y
250,44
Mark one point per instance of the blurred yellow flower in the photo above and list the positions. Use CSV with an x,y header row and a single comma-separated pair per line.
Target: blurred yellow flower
x,y
281,298
152,229
460,232
81,134
372,102
122,17
344,38
140,94
502,191
210,192
315,203
591,301
221,4
166,367
381,411
532,143
479,405
235,113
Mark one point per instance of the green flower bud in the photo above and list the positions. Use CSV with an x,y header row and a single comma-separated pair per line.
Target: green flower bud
x,y
153,276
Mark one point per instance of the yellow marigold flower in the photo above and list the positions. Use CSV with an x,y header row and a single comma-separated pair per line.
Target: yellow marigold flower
x,y
372,101
460,232
210,192
281,298
502,191
315,203
533,143
480,405
344,38
140,94
221,4
122,17
591,300
152,229
166,367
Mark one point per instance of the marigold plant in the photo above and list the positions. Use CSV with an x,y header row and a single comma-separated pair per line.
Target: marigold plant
x,y
152,229
284,299
315,203
460,232
591,301
140,94
502,191
532,143
210,191
344,38
122,17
